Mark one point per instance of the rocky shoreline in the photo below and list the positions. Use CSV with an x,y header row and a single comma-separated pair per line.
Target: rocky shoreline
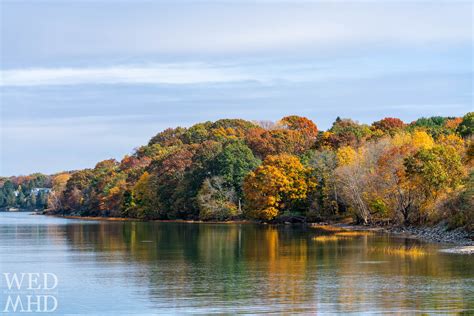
x,y
461,241
437,234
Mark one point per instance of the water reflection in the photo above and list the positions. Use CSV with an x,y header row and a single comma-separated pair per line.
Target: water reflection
x,y
178,267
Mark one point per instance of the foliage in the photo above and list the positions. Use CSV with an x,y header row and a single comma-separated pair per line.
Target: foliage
x,y
25,192
459,207
145,199
346,155
302,124
435,169
280,184
292,135
435,125
389,125
324,201
421,139
466,127
234,162
386,171
216,200
345,132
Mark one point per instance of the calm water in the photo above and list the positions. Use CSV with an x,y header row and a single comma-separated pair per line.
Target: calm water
x,y
143,268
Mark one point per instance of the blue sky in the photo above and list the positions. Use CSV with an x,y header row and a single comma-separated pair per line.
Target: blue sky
x,y
83,81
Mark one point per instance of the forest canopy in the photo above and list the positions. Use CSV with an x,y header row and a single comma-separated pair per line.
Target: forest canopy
x,y
389,171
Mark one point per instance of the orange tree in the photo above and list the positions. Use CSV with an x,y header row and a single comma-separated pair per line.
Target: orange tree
x,y
389,125
280,184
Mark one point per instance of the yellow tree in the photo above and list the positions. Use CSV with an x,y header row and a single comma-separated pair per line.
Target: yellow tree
x,y
346,155
279,184
145,197
59,184
421,139
353,178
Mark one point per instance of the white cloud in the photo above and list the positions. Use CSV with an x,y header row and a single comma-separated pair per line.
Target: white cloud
x,y
82,30
153,74
261,71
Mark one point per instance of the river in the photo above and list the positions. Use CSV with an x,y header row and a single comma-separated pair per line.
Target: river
x,y
111,268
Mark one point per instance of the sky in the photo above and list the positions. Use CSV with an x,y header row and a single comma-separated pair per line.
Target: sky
x,y
83,81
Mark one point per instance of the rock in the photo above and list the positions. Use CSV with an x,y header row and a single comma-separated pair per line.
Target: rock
x,y
439,233
466,250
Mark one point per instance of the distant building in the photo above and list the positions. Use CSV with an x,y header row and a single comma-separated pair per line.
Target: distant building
x,y
38,190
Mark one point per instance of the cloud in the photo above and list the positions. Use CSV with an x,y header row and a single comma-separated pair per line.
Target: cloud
x,y
58,31
262,72
68,69
154,74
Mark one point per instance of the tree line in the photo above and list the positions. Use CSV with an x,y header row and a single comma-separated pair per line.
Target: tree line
x,y
386,172
25,192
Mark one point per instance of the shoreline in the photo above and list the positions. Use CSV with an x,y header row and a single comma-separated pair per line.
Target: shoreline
x,y
461,240
126,219
434,234
458,241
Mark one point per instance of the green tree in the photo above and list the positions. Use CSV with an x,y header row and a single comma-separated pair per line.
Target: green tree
x,y
325,199
3,198
436,169
466,128
234,163
435,125
20,198
41,200
10,199
31,201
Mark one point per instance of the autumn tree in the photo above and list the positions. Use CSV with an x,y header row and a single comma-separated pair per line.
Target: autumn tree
x,y
230,129
458,208
301,124
292,135
466,127
452,124
373,181
437,168
168,137
386,171
352,176
280,184
325,201
389,125
145,203
345,132
78,191
435,125
59,185
434,171
216,200
168,174
108,185
394,195
197,133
